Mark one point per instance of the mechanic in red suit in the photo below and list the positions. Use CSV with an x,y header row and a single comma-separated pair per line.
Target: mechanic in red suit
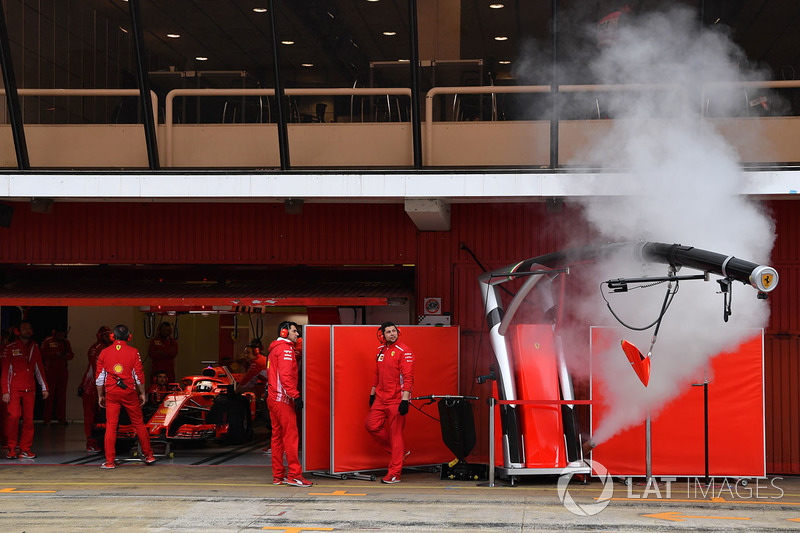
x,y
56,352
22,368
162,352
283,399
87,390
118,378
158,389
3,444
256,378
388,399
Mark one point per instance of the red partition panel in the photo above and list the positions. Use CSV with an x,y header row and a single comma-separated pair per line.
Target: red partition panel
x,y
435,372
623,454
735,409
317,397
537,379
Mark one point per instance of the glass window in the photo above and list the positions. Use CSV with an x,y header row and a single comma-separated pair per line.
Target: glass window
x,y
8,155
83,49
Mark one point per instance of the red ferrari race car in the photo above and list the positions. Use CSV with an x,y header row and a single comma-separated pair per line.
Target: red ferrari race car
x,y
205,407
199,408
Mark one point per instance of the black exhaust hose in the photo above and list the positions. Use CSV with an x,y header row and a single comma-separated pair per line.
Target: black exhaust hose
x,y
678,255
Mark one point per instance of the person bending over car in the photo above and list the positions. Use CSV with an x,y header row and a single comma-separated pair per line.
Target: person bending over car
x,y
118,378
283,399
256,378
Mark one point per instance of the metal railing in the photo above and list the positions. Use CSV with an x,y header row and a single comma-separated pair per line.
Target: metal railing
x,y
490,89
347,91
531,89
744,85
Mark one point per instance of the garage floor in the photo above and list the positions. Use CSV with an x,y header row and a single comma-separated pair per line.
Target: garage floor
x,y
64,490
66,445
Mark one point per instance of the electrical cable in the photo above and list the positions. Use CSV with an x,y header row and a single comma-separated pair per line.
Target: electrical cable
x,y
478,349
661,314
423,412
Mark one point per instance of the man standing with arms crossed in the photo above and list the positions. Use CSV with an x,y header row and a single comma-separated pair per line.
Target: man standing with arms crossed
x,y
388,399
22,368
283,399
118,379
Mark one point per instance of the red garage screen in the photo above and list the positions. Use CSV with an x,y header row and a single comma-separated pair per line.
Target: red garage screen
x,y
435,352
317,394
735,400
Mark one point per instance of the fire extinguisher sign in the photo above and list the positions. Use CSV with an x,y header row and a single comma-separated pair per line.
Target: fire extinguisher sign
x,y
433,306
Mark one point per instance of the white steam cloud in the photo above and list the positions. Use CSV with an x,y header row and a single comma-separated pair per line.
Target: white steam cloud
x,y
682,185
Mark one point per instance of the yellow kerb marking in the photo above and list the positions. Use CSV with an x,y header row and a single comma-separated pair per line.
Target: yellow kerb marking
x,y
676,516
15,491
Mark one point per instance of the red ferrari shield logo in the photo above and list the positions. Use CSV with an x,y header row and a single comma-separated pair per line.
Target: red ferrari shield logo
x,y
766,280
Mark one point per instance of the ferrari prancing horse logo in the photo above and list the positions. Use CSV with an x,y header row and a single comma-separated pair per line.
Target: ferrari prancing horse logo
x,y
766,280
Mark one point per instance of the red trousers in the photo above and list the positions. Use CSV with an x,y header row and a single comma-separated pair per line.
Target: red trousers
x,y
57,381
115,399
385,425
2,423
90,410
21,405
284,439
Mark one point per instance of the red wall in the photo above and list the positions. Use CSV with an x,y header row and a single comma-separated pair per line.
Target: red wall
x,y
373,234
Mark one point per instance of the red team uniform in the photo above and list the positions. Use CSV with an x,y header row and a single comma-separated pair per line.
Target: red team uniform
x,y
256,378
394,374
22,368
119,370
281,395
55,354
162,353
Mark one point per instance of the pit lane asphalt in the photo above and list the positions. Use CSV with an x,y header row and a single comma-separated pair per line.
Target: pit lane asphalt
x,y
164,497
168,496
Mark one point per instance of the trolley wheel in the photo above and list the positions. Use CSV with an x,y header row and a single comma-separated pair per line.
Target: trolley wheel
x,y
372,477
626,481
343,476
745,482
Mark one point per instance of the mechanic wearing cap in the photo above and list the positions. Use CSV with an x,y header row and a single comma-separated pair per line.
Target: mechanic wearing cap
x,y
388,399
87,390
56,351
118,378
162,352
283,400
22,368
